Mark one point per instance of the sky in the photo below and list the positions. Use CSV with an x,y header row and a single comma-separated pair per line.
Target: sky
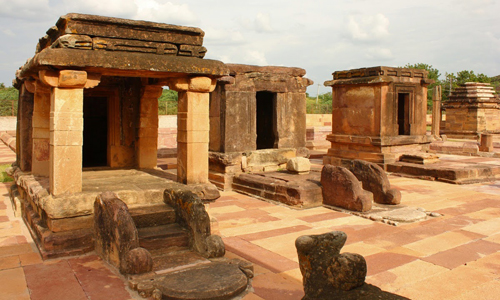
x,y
320,36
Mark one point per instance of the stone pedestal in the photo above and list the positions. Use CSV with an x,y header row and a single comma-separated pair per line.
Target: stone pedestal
x,y
471,110
193,128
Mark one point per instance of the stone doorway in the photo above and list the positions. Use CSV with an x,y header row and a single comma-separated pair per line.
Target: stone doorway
x,y
266,120
404,113
95,132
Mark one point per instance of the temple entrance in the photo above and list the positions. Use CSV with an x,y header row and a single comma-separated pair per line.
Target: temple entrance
x,y
95,131
404,113
266,120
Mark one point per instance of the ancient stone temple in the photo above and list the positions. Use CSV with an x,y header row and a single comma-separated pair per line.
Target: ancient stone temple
x,y
257,120
378,114
472,109
89,107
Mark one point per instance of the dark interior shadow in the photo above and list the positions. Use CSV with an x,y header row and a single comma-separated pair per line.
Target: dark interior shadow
x,y
365,292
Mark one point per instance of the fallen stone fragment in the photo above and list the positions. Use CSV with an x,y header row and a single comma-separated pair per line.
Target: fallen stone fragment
x,y
324,269
299,165
342,189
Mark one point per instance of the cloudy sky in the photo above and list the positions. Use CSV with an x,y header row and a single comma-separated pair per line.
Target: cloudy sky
x,y
321,36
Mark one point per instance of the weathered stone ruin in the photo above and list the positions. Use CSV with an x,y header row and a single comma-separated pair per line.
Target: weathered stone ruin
x,y
325,271
88,123
327,274
472,109
341,188
257,121
378,114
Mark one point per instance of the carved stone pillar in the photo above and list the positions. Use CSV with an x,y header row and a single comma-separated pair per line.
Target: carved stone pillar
x,y
436,111
193,126
41,132
24,138
66,127
147,144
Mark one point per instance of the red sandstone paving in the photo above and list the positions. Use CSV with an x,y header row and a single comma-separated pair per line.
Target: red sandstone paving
x,y
463,254
271,286
256,214
258,255
272,233
97,280
54,281
323,217
384,261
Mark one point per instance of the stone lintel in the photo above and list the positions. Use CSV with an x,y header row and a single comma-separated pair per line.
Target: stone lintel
x,y
122,64
241,69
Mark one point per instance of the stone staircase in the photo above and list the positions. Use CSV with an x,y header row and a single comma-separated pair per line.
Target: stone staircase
x,y
167,241
166,250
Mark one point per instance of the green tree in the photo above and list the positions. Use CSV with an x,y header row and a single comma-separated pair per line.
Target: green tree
x,y
8,100
167,103
452,81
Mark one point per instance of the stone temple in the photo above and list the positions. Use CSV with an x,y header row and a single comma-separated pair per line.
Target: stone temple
x,y
378,114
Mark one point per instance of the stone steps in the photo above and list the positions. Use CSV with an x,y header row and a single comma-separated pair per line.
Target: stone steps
x,y
153,215
163,236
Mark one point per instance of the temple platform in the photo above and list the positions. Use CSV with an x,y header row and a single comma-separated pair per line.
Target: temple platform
x,y
455,169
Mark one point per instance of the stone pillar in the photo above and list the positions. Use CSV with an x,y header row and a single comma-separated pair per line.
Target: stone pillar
x,y
193,127
66,128
436,111
147,144
24,138
41,133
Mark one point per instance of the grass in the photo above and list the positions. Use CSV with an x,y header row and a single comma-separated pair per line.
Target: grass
x,y
3,176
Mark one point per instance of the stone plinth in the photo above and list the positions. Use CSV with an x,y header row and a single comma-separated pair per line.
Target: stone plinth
x,y
378,114
471,110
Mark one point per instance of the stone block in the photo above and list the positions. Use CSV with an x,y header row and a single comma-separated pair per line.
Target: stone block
x,y
193,136
325,271
65,169
374,179
299,165
201,84
66,121
72,78
342,189
66,138
66,100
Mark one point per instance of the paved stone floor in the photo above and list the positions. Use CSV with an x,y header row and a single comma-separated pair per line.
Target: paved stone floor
x,y
456,256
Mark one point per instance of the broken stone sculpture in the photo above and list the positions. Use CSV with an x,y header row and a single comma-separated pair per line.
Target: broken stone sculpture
x,y
299,165
116,237
342,189
375,180
325,271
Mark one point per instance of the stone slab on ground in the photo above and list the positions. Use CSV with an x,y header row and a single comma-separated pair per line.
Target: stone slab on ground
x,y
297,190
452,169
391,214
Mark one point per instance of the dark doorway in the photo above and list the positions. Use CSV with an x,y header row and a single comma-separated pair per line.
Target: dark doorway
x,y
95,131
404,113
266,120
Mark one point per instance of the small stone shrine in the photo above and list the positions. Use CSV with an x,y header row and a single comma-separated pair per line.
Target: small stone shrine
x,y
257,120
378,114
88,107
472,109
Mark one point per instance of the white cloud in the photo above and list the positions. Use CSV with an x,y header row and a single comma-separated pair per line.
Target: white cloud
x,y
263,23
379,53
223,36
8,32
255,57
167,12
368,28
25,9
